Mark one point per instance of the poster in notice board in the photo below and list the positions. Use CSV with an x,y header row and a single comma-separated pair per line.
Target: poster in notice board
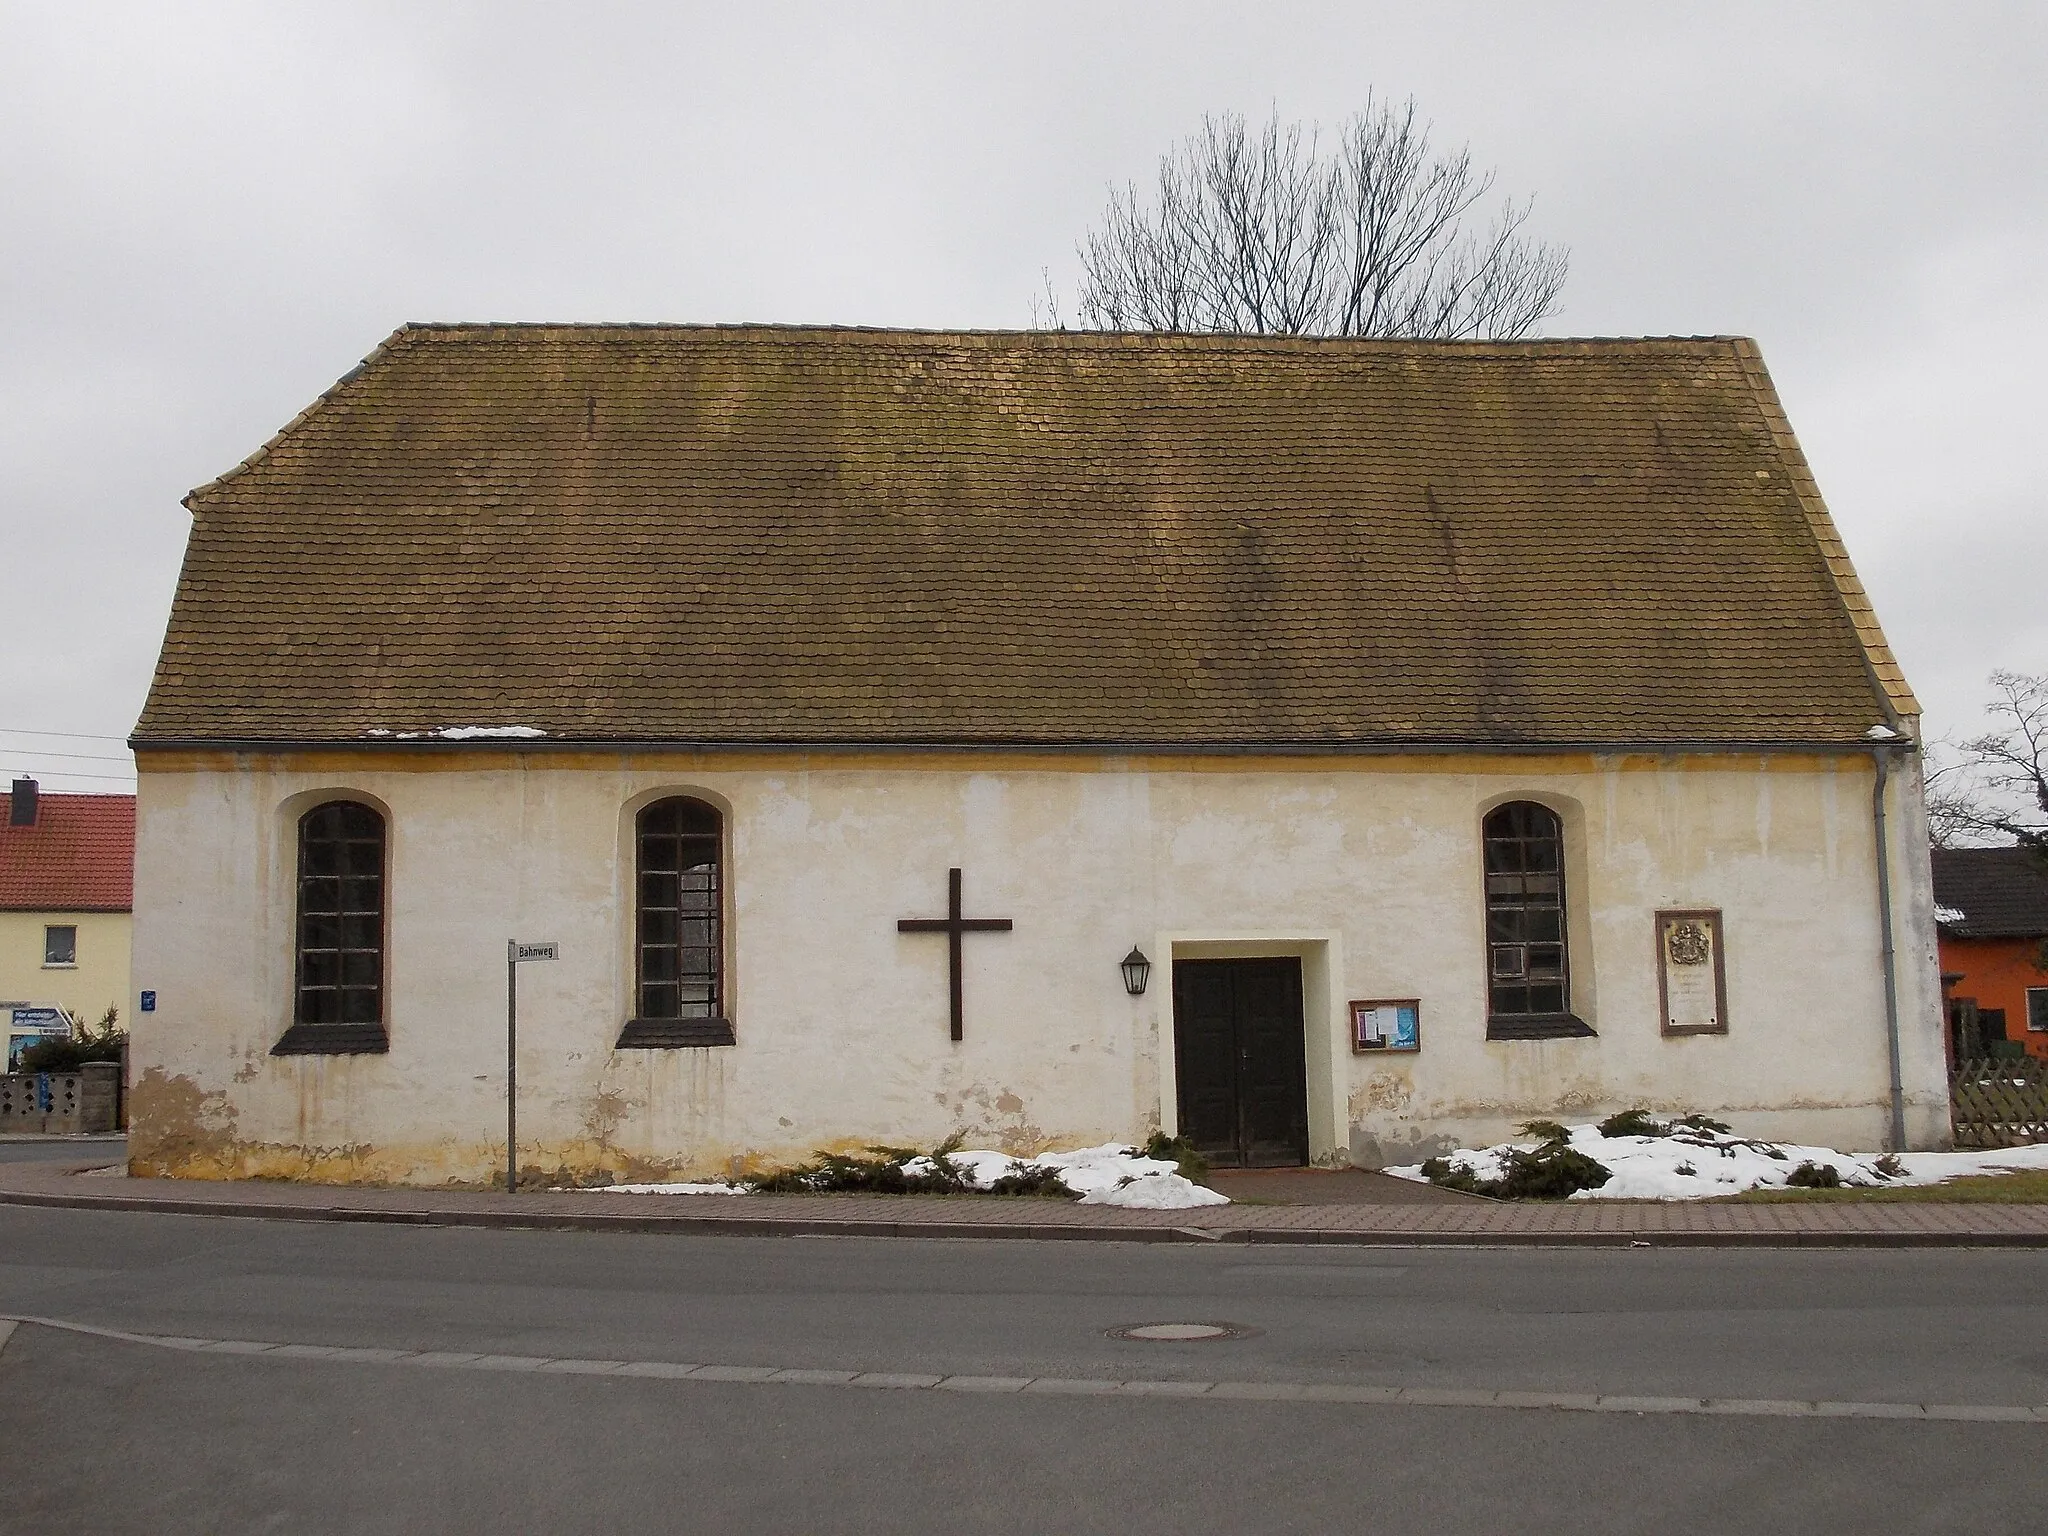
x,y
1386,1024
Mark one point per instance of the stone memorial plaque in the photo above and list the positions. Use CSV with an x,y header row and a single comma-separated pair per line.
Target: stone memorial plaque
x,y
1691,977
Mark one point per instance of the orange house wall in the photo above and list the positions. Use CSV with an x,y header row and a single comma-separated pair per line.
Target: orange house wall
x,y
1997,973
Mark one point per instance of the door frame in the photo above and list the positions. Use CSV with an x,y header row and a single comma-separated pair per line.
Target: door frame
x,y
1325,1049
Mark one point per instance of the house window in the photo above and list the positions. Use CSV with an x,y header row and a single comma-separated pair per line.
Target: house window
x,y
338,990
2037,1008
1528,968
60,944
679,927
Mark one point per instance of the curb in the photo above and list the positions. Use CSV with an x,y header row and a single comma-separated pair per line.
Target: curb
x,y
55,1138
769,1226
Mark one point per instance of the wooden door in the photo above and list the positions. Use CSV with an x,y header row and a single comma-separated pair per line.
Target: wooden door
x,y
1240,1061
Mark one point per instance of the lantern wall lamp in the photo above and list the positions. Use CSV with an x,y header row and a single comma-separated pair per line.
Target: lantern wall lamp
x,y
1136,969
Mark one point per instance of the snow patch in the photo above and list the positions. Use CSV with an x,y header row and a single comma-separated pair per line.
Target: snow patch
x,y
1111,1174
462,733
1692,1165
1116,1175
1950,915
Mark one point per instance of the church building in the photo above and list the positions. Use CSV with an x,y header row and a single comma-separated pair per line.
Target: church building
x,y
1333,752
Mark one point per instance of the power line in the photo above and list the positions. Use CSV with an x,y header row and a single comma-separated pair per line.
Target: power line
x,y
22,730
75,757
66,773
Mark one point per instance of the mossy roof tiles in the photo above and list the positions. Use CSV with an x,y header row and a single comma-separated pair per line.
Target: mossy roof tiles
x,y
754,534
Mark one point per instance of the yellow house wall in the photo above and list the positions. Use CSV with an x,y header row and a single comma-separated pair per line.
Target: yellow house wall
x,y
98,982
1367,868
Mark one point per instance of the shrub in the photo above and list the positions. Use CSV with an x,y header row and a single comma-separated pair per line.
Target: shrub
x,y
1890,1167
1030,1179
901,1171
1702,1123
1176,1149
1633,1122
101,1042
1811,1175
1444,1173
1546,1130
1552,1171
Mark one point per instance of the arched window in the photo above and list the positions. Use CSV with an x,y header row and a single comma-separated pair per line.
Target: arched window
x,y
679,927
338,981
1528,964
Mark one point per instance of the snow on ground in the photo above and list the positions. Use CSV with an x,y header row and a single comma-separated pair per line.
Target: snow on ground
x,y
1116,1175
1111,1174
1691,1165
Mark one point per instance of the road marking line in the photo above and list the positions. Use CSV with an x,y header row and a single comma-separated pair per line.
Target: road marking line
x,y
1067,1386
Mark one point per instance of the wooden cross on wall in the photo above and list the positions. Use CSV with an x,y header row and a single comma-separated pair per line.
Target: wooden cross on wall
x,y
953,925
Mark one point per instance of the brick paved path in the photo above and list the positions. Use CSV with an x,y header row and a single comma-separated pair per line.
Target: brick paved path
x,y
1329,1186
1601,1223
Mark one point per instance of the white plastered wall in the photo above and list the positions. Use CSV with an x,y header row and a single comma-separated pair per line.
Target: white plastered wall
x,y
1367,868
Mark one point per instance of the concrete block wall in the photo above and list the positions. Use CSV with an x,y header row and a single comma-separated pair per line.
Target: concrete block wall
x,y
81,1103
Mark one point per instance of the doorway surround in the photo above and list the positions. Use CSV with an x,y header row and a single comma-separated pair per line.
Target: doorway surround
x,y
1325,1047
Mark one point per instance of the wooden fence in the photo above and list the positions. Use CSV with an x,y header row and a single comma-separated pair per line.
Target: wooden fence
x,y
1999,1102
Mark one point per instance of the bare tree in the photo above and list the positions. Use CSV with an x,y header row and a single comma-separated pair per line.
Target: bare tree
x,y
1268,232
1995,790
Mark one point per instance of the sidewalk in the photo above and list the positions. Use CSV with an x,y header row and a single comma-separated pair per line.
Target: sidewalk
x,y
1562,1224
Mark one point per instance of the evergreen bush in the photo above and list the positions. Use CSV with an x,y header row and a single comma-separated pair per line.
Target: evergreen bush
x,y
1811,1175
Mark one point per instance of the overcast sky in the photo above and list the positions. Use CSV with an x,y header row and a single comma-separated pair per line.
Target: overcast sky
x,y
208,212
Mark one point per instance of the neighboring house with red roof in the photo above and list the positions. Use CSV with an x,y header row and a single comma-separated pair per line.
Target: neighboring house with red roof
x,y
1991,912
67,874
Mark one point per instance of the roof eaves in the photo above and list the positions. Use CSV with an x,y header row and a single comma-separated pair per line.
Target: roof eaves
x,y
276,438
61,907
1885,673
1117,746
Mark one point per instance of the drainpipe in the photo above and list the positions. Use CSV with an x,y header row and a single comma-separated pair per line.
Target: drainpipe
x,y
1891,980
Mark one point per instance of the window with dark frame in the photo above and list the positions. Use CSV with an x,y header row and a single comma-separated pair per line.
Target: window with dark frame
x,y
60,944
679,927
338,985
2037,1008
1528,968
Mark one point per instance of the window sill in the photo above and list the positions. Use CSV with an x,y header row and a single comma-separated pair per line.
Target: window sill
x,y
1680,1031
673,1034
60,965
333,1040
1538,1026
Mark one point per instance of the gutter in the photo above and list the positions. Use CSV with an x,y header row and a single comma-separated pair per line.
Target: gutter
x,y
1102,746
1882,757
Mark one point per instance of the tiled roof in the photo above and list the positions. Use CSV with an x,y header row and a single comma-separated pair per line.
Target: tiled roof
x,y
78,857
2002,893
754,534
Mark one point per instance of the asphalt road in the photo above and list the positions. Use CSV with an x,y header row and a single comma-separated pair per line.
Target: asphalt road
x,y
108,1436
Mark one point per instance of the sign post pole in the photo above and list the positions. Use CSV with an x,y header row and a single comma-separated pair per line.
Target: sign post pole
x,y
514,953
512,1066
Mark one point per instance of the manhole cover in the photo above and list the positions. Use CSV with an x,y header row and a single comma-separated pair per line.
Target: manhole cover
x,y
1180,1333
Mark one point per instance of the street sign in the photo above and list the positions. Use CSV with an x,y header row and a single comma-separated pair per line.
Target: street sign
x,y
149,1002
514,953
